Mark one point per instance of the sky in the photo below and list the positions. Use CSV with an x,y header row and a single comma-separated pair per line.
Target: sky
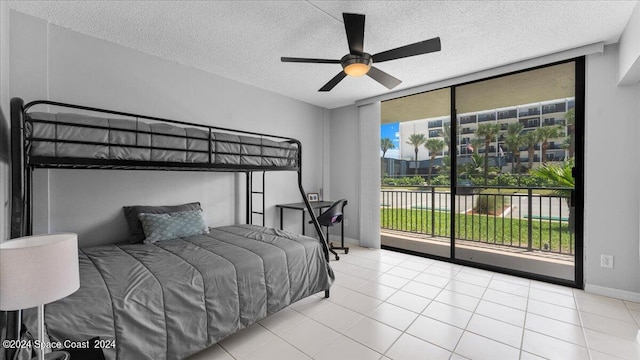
x,y
391,131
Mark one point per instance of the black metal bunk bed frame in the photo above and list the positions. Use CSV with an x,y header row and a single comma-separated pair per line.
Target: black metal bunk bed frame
x,y
23,164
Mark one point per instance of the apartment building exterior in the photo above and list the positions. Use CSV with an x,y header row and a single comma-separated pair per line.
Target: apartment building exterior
x,y
532,116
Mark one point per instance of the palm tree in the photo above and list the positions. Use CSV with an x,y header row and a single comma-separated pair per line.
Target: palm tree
x,y
530,140
416,140
570,118
513,142
386,144
476,144
488,133
560,176
435,147
546,133
446,134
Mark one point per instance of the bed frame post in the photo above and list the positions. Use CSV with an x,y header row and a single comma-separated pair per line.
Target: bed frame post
x,y
314,220
18,179
19,227
312,214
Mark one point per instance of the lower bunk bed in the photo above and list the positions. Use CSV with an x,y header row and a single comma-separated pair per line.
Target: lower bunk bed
x,y
173,298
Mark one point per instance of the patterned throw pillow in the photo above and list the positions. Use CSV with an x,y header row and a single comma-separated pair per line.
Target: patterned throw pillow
x,y
160,227
135,226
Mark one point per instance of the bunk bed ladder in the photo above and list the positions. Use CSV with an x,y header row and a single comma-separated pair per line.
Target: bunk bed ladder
x,y
251,192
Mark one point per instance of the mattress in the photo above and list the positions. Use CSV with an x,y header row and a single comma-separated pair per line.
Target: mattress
x,y
171,299
65,135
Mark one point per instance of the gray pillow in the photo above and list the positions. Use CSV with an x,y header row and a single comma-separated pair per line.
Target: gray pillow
x,y
135,227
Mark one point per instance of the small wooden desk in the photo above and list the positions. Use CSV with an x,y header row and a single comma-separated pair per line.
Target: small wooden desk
x,y
301,206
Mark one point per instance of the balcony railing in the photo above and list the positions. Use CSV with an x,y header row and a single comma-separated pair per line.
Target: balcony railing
x,y
530,123
532,219
507,114
529,112
435,124
486,117
467,119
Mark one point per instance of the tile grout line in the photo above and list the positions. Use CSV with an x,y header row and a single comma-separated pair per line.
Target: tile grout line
x,y
524,324
412,322
350,327
402,331
584,332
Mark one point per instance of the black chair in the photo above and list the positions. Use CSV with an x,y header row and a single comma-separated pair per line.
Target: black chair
x,y
332,216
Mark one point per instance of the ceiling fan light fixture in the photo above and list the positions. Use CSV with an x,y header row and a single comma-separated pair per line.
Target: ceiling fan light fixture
x,y
356,65
357,69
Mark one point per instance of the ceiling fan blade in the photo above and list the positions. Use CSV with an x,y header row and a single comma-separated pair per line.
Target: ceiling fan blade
x,y
307,60
354,26
333,82
419,48
383,78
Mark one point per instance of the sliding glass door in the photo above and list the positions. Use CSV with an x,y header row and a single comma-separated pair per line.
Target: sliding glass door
x,y
499,187
514,171
415,159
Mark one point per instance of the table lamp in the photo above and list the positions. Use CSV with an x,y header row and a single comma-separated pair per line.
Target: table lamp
x,y
36,270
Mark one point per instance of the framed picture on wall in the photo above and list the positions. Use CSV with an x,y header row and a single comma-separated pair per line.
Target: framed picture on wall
x,y
312,196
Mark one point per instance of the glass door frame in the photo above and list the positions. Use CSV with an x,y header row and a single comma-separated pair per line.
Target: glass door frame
x,y
578,177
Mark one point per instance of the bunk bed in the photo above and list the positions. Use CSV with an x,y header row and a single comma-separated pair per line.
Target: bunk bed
x,y
219,281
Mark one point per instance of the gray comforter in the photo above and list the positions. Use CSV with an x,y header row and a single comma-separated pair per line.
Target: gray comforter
x,y
173,298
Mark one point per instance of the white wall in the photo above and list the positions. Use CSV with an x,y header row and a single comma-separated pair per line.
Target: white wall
x,y
4,121
345,164
355,169
612,176
50,62
369,144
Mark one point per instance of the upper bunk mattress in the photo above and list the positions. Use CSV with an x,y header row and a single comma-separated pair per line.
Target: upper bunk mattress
x,y
65,135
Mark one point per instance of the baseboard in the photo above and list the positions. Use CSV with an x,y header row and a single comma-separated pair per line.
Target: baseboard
x,y
336,240
611,292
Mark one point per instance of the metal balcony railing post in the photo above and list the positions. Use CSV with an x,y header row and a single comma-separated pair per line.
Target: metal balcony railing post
x,y
530,219
433,211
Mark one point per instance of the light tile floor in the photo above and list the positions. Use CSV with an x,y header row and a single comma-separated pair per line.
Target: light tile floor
x,y
389,305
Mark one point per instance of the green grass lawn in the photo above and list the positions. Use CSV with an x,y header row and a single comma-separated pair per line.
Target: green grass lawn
x,y
483,228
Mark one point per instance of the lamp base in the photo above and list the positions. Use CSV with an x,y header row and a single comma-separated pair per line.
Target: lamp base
x,y
56,355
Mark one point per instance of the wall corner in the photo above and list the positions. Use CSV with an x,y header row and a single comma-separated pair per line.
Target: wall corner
x,y
629,57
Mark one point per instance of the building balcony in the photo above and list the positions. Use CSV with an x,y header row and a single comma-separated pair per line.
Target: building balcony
x,y
507,114
530,123
487,117
467,120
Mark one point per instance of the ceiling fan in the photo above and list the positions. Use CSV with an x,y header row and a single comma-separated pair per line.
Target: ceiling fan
x,y
359,63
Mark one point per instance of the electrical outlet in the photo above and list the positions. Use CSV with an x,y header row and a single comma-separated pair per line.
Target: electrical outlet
x,y
606,261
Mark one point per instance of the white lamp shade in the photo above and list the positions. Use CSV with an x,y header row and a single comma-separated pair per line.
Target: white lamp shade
x,y
37,270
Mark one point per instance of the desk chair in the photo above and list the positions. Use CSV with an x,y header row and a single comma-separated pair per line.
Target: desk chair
x,y
332,216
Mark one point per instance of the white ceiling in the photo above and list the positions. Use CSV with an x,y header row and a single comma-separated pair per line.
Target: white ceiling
x,y
244,40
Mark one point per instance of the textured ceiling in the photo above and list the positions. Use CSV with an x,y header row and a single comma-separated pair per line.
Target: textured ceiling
x,y
244,40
